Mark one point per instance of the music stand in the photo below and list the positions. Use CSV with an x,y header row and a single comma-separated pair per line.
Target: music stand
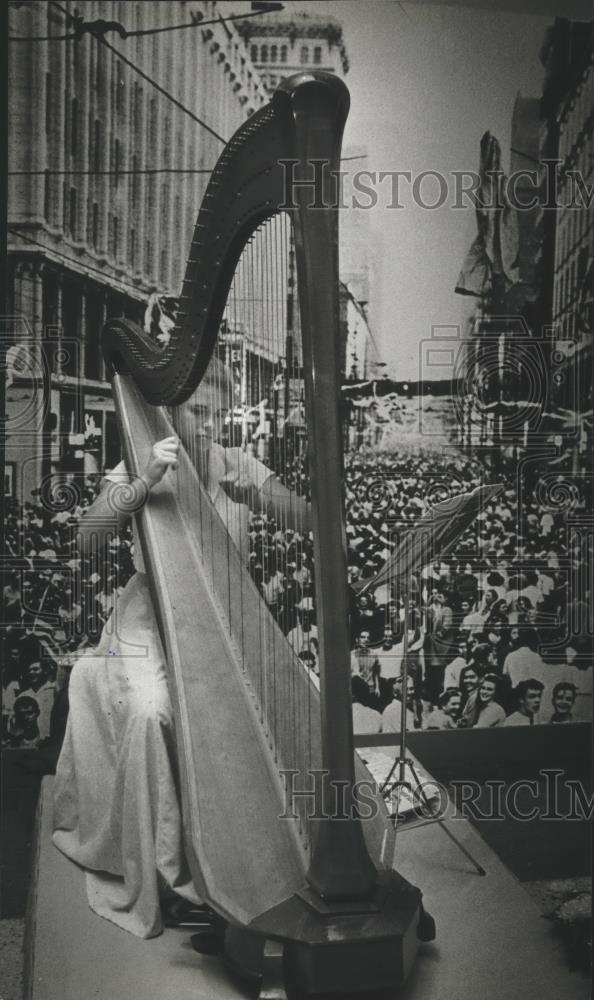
x,y
434,535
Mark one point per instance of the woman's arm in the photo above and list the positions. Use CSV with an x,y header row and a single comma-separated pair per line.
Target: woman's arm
x,y
491,715
251,483
117,501
284,506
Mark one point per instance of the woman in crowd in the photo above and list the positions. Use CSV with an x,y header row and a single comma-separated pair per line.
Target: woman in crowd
x,y
482,709
447,714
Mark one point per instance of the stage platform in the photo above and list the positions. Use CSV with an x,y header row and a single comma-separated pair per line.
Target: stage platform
x,y
491,940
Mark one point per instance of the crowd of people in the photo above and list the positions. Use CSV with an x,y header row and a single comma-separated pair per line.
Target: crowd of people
x,y
54,607
477,620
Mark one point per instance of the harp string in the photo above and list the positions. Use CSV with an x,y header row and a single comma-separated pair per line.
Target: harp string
x,y
241,392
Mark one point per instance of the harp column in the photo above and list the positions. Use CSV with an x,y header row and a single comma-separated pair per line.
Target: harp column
x,y
340,867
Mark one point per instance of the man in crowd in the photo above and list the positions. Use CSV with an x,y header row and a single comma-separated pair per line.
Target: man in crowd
x,y
368,686
12,610
24,732
577,670
392,713
300,637
451,677
525,663
437,645
41,688
529,695
564,695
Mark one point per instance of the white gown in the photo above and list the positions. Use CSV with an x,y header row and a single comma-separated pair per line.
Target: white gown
x,y
116,803
116,800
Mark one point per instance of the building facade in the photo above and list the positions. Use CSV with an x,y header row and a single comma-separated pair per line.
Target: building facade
x,y
504,360
293,43
534,387
106,176
280,46
567,143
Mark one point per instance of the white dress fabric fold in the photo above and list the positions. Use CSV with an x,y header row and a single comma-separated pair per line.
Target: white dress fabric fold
x,y
116,805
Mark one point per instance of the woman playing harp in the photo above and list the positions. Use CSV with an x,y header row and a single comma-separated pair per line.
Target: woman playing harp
x,y
117,810
311,856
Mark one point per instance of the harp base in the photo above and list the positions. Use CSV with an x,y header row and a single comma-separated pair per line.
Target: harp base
x,y
329,953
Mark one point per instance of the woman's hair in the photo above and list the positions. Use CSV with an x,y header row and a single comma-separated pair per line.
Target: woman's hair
x,y
217,376
478,704
529,685
493,679
446,695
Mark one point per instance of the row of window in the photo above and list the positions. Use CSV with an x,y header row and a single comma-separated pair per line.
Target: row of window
x,y
573,226
578,113
79,314
114,247
276,53
570,293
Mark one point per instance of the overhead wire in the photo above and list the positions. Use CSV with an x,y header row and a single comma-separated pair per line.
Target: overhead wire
x,y
99,26
121,173
159,88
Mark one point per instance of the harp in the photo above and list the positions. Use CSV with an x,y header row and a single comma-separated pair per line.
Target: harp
x,y
279,840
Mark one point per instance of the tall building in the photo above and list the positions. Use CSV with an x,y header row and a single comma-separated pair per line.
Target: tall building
x,y
280,46
568,251
568,112
553,297
291,43
523,161
355,254
504,360
107,173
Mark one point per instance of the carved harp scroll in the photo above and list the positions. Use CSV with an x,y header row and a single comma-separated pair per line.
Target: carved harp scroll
x,y
284,161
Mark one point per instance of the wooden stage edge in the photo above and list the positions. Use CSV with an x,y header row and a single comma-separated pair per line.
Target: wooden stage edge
x,y
491,940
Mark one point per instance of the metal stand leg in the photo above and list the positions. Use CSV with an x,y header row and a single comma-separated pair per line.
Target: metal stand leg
x,y
401,763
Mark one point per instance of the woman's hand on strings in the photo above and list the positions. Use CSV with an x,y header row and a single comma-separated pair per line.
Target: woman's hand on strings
x,y
238,486
164,455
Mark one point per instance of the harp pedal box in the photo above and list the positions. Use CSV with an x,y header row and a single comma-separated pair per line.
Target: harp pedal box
x,y
343,908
